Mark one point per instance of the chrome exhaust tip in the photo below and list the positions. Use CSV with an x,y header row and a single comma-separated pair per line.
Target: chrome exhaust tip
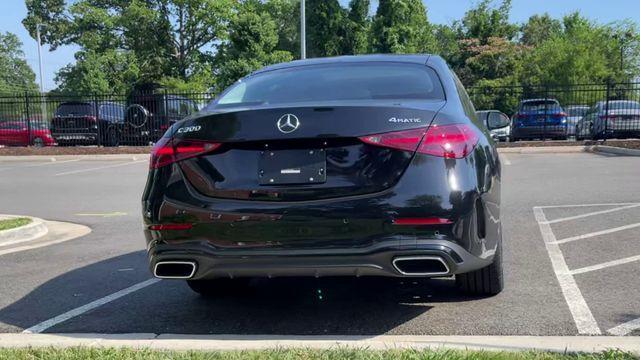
x,y
174,269
421,265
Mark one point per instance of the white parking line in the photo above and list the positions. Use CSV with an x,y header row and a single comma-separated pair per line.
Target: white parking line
x,y
626,328
38,328
99,168
597,233
593,213
584,205
605,265
52,162
582,316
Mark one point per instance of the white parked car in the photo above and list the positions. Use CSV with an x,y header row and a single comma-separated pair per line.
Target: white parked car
x,y
498,121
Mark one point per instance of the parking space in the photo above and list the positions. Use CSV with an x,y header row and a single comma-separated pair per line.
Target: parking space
x,y
100,283
595,252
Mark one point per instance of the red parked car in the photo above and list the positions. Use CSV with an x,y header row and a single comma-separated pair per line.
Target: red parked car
x,y
16,133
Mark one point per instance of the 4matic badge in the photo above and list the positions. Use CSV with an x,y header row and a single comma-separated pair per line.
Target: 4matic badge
x,y
404,120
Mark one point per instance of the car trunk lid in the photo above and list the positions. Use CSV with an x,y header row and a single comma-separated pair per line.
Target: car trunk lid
x,y
300,152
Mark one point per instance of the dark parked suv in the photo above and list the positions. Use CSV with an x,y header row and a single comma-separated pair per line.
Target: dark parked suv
x,y
351,166
77,123
150,115
539,119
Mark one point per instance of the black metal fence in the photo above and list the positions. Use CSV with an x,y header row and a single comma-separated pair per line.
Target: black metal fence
x,y
586,111
104,120
589,111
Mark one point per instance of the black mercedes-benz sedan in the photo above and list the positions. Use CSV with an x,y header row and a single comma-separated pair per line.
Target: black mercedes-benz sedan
x,y
349,166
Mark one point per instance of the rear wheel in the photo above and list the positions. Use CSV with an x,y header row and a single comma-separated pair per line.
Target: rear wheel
x,y
486,281
219,287
38,142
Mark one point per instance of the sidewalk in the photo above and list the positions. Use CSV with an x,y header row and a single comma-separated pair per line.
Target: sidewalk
x,y
256,342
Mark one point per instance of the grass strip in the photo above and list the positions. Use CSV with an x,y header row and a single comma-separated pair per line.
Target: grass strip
x,y
13,223
81,353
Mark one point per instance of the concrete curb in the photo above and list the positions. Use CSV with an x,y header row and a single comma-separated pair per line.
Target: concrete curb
x,y
612,150
37,228
257,342
542,150
54,158
59,232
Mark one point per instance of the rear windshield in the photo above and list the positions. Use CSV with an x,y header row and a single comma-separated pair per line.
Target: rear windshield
x,y
624,105
74,109
540,105
577,110
335,82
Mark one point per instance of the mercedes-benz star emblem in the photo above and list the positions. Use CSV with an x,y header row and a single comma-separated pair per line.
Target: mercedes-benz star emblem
x,y
288,123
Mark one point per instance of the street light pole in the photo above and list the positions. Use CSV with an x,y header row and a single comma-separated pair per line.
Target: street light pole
x,y
40,57
303,35
43,105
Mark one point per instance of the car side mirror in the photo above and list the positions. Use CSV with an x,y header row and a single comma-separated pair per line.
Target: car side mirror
x,y
497,120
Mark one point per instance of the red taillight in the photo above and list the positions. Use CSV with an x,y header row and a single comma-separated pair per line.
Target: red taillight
x,y
171,226
454,141
421,221
167,151
401,140
91,118
559,115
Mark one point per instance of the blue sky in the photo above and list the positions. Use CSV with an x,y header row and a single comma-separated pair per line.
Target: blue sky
x,y
439,11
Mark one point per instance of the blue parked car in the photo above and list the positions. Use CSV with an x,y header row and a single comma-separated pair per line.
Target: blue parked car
x,y
539,119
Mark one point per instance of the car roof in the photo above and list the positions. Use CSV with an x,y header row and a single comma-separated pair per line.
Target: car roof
x,y
538,100
413,59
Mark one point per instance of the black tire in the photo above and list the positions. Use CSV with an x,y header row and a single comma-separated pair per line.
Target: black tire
x,y
111,138
487,281
219,287
38,142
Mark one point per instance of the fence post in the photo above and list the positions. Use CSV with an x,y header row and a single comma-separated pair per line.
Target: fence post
x,y
28,119
166,121
98,123
606,111
546,113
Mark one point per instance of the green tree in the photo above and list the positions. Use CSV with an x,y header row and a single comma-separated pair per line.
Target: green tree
x,y
286,15
252,44
401,26
358,26
485,21
108,72
583,52
326,28
540,28
166,38
15,73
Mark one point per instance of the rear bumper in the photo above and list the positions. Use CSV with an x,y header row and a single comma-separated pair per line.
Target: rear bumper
x,y
75,136
540,131
613,133
374,261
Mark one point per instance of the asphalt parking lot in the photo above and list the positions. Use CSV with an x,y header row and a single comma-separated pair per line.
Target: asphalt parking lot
x,y
572,257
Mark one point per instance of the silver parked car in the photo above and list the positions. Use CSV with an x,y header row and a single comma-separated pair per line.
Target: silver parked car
x,y
574,114
612,119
